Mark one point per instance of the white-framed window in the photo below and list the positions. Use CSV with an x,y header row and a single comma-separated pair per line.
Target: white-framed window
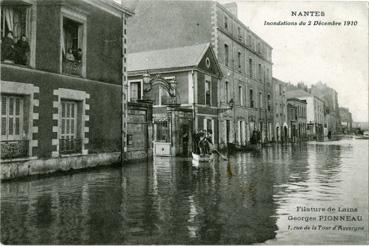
x,y
17,123
207,92
73,42
163,97
12,117
70,132
240,95
71,119
18,33
135,89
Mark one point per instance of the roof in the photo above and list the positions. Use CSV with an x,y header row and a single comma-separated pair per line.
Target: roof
x,y
296,99
187,56
298,93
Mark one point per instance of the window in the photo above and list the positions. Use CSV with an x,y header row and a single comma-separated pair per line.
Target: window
x,y
239,34
16,34
250,67
135,90
129,139
226,22
226,91
258,48
207,93
260,72
269,103
251,98
280,89
162,131
240,95
240,132
226,55
70,141
239,60
73,43
72,134
164,97
209,126
249,40
14,143
260,100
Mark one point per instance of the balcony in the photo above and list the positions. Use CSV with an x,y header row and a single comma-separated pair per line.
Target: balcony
x,y
72,67
70,146
14,149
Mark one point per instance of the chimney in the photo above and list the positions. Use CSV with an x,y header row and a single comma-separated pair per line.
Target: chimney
x,y
231,7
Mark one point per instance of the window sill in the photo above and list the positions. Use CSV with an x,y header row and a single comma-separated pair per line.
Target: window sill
x,y
24,159
71,155
16,65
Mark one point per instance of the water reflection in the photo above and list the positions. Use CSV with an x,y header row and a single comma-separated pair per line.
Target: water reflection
x,y
167,201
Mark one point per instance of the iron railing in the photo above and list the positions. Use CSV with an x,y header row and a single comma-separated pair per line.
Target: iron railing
x,y
72,67
14,149
70,146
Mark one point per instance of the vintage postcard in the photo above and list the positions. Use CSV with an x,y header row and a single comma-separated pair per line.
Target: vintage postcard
x,y
219,122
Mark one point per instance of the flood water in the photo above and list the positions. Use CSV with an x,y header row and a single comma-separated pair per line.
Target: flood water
x,y
246,200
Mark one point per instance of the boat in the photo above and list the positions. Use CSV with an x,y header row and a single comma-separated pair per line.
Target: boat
x,y
198,159
364,136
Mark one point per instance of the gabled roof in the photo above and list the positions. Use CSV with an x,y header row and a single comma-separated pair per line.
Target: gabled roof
x,y
180,57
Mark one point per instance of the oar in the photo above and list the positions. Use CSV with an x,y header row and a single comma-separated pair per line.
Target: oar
x,y
224,158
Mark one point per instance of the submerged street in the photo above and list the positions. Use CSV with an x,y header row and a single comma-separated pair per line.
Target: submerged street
x,y
245,200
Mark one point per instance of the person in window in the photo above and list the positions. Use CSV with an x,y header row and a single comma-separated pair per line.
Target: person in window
x,y
69,56
21,51
78,55
7,48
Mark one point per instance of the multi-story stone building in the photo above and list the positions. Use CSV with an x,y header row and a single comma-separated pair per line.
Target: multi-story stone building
x,y
183,87
346,120
314,112
329,96
60,84
245,59
296,118
280,110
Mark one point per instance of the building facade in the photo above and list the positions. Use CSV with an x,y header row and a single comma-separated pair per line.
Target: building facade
x,y
244,58
346,120
280,110
296,119
57,94
329,96
183,87
314,112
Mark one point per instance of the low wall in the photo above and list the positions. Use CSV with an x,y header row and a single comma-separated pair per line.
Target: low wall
x,y
19,169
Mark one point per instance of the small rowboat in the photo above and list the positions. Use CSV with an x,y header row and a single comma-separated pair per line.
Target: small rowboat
x,y
197,159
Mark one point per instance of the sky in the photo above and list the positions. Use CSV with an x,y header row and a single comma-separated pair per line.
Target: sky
x,y
335,55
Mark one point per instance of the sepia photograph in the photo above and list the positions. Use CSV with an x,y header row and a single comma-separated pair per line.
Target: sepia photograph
x,y
184,122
